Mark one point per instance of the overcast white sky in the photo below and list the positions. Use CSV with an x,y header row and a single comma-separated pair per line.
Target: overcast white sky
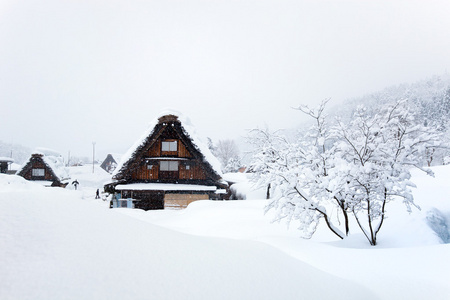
x,y
74,72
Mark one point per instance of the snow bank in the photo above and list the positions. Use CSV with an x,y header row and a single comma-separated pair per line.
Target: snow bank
x,y
439,223
409,262
14,183
57,246
413,272
241,186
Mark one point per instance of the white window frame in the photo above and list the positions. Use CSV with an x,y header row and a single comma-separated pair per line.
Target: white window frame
x,y
168,165
169,146
38,172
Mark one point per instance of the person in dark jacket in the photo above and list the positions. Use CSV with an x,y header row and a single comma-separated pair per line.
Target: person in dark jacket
x,y
75,183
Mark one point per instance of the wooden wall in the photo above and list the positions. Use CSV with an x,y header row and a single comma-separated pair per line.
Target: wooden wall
x,y
194,172
144,173
179,201
155,150
182,151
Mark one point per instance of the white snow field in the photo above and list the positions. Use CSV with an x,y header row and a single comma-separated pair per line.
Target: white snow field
x,y
63,244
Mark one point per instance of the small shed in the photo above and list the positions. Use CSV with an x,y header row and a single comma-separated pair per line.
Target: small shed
x,y
4,163
169,167
47,170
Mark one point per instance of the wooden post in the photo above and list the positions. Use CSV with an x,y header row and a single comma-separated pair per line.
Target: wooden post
x,y
93,156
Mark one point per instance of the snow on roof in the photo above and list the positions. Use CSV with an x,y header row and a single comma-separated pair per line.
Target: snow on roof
x,y
57,165
235,177
23,165
6,159
188,129
164,187
47,152
221,191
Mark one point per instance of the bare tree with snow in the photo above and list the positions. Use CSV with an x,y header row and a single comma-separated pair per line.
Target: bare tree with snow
x,y
227,152
379,152
353,168
298,174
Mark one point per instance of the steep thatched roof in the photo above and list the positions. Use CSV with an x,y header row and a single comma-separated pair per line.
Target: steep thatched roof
x,y
186,132
54,164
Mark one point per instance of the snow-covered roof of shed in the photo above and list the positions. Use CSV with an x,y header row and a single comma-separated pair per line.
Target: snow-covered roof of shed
x,y
6,159
189,131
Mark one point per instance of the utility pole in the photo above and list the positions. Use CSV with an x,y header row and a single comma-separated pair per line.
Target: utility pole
x,y
93,156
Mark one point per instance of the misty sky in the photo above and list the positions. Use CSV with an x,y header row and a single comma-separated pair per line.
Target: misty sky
x,y
74,72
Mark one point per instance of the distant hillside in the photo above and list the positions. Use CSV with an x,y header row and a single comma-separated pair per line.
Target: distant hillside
x,y
19,153
430,98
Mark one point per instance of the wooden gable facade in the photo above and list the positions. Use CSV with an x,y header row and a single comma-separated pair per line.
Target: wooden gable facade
x,y
36,169
166,170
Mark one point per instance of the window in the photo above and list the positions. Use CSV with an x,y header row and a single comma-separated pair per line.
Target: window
x,y
188,165
149,167
38,172
168,165
170,146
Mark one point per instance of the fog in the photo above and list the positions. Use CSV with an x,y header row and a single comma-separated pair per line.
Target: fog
x,y
77,72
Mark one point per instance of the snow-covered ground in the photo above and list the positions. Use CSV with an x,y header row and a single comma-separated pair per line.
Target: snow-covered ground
x,y
63,244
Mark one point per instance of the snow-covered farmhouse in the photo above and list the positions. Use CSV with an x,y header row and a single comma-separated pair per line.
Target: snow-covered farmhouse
x,y
168,167
109,164
47,170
